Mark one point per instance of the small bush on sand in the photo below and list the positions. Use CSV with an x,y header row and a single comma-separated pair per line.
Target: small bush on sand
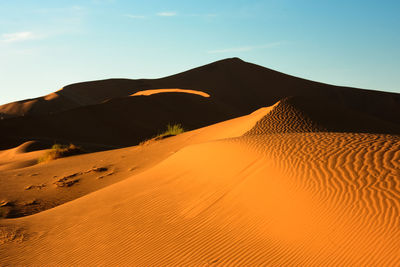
x,y
172,129
60,151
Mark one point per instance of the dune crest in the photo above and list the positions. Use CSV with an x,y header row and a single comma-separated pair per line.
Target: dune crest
x,y
23,156
319,114
285,118
170,90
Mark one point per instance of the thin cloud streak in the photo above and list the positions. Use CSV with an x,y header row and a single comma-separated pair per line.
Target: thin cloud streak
x,y
18,37
166,14
211,15
135,16
244,48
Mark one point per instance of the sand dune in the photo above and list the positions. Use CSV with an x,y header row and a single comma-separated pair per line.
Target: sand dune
x,y
41,105
310,177
22,156
312,114
17,180
131,119
235,87
257,190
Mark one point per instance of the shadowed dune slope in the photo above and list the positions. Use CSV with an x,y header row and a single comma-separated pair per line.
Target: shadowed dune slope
x,y
236,86
115,123
71,96
285,118
312,114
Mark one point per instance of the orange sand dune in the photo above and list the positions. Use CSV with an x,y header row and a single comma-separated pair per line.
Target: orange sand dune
x,y
169,90
253,197
22,185
20,157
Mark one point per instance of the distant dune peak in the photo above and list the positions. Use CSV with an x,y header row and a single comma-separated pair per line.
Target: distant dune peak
x,y
319,114
285,117
170,90
233,59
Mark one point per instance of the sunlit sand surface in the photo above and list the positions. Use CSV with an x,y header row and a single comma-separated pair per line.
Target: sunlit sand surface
x,y
272,170
230,193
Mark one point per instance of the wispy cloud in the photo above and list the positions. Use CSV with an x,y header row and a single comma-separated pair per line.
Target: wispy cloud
x,y
18,37
167,14
103,1
244,48
135,16
210,15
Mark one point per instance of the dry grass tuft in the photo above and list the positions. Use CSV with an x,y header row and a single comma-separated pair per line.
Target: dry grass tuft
x,y
172,130
60,151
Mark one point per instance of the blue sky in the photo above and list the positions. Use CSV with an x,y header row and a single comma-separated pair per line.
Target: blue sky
x,y
45,45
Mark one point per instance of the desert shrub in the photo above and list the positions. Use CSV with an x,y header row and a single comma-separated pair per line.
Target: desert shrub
x,y
172,129
60,151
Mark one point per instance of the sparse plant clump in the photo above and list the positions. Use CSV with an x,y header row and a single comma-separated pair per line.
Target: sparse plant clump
x,y
172,130
60,151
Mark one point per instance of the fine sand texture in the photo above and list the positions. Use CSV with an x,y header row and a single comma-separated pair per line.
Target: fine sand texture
x,y
283,186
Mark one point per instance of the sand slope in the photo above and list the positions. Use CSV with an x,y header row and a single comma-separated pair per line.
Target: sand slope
x,y
235,88
116,123
285,198
29,187
20,157
312,114
233,82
